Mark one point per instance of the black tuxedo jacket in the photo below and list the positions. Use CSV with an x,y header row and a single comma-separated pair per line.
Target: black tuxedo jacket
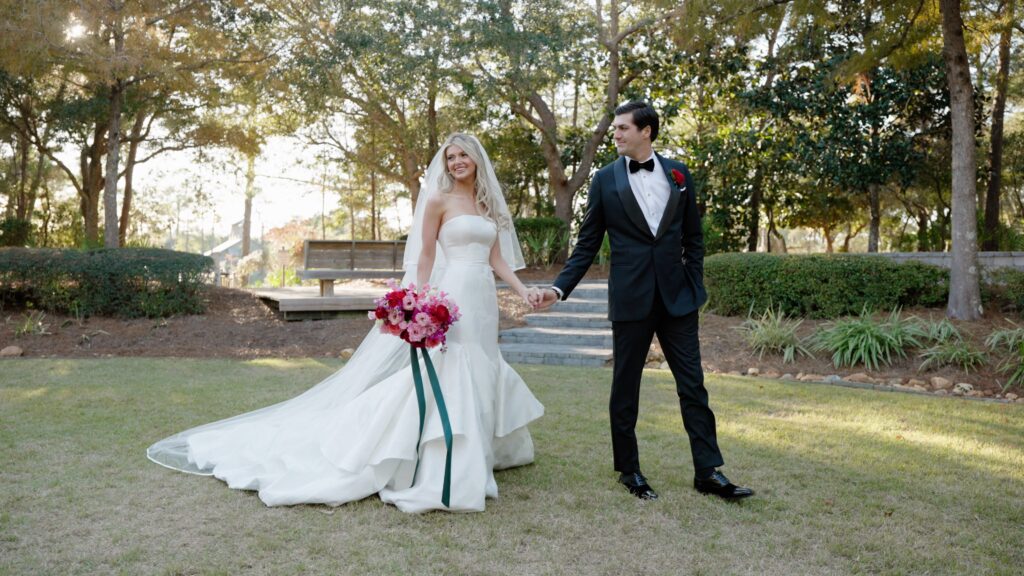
x,y
669,263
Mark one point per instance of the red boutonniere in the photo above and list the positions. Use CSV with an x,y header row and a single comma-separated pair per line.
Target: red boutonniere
x,y
678,177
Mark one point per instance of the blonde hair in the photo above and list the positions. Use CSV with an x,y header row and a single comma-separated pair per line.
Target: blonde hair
x,y
486,186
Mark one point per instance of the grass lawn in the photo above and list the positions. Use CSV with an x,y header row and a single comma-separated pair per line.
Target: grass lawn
x,y
849,482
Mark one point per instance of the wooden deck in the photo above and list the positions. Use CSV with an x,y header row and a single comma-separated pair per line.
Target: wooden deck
x,y
305,302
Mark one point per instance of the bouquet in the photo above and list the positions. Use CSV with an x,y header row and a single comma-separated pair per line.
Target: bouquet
x,y
420,317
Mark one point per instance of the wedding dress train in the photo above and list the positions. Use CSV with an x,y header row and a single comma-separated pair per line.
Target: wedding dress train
x,y
355,434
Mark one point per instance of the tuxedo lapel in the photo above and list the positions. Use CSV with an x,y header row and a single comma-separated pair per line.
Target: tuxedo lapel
x,y
675,194
629,203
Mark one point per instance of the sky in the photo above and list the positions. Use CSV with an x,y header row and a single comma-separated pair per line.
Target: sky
x,y
285,178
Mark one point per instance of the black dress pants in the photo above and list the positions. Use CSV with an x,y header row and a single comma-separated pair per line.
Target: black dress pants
x,y
679,341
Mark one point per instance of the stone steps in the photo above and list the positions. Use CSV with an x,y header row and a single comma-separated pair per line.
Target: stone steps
x,y
575,332
569,320
562,355
559,336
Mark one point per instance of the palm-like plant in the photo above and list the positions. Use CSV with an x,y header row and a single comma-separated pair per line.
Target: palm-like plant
x,y
774,332
863,340
1012,340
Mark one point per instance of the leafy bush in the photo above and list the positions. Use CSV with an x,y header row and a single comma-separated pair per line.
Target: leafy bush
x,y
33,324
115,282
947,347
15,232
1008,339
541,239
774,332
941,332
1014,366
863,340
951,353
1005,286
820,285
1012,340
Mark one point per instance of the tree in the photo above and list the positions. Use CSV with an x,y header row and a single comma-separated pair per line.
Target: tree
x,y
535,50
379,68
113,48
964,278
855,134
995,162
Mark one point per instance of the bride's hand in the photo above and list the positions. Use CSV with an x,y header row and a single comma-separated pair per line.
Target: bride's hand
x,y
529,296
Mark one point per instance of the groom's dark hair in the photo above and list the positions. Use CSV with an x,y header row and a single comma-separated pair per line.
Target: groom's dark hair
x,y
643,115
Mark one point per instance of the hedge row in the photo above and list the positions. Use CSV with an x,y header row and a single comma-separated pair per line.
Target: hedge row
x,y
128,282
820,286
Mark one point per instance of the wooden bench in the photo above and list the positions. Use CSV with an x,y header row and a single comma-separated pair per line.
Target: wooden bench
x,y
330,260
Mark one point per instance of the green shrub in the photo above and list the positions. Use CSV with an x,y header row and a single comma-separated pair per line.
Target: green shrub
x,y
126,282
1009,339
951,353
33,324
774,332
1005,286
1012,341
941,332
15,232
820,285
863,340
541,239
1014,366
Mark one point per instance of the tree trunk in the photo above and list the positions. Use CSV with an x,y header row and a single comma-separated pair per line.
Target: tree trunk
x,y
875,203
413,186
250,192
964,290
21,201
92,184
110,219
754,226
47,213
33,191
923,244
432,135
110,224
995,160
757,194
129,169
373,205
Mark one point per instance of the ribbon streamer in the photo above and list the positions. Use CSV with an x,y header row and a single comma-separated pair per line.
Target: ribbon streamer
x,y
442,411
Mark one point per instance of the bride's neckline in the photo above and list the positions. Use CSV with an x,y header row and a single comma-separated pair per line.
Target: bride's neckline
x,y
460,216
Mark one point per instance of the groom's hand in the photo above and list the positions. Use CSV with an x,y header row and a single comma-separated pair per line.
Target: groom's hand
x,y
547,297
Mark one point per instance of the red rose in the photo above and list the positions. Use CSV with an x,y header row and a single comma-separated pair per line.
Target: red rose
x,y
440,314
381,313
678,177
395,298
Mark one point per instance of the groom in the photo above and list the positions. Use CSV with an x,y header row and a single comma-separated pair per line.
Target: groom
x,y
647,205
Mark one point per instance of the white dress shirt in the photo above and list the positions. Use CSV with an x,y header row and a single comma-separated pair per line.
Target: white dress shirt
x,y
651,191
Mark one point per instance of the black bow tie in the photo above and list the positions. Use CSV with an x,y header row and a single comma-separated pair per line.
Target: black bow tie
x,y
635,166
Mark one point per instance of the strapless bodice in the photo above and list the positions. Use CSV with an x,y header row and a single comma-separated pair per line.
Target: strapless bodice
x,y
467,239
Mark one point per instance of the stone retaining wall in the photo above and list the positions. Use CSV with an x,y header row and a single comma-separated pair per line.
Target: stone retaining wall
x,y
987,260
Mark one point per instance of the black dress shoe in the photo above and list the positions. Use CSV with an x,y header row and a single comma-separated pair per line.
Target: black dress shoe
x,y
719,485
638,486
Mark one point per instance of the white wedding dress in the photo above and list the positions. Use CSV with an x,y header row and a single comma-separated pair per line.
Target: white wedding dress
x,y
355,434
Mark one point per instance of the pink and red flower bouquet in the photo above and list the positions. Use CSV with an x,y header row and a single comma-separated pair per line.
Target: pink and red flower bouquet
x,y
420,317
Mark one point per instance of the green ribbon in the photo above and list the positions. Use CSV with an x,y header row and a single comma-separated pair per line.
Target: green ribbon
x,y
442,410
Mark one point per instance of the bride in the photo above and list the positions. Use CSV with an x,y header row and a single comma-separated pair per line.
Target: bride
x,y
355,434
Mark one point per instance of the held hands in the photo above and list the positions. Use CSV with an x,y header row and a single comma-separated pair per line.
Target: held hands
x,y
541,298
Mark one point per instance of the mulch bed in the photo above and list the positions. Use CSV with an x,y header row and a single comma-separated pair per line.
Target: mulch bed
x,y
238,325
